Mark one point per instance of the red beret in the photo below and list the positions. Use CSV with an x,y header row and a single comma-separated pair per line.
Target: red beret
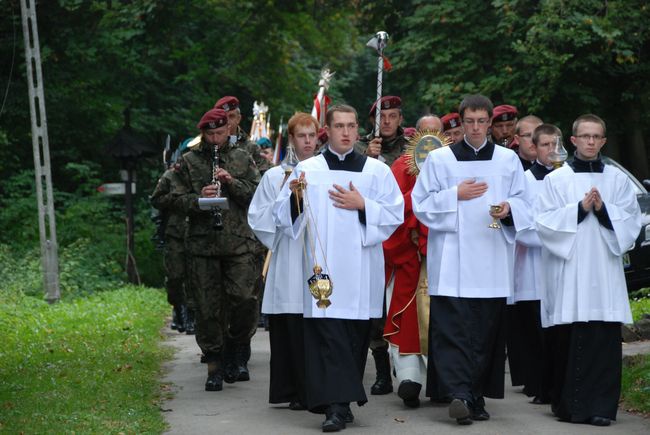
x,y
213,118
322,136
450,120
387,102
409,131
504,112
227,103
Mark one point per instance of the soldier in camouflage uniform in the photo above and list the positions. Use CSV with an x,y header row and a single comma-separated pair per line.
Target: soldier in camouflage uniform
x,y
391,142
174,255
238,136
223,267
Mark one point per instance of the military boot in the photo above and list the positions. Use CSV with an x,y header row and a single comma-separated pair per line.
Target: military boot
x,y
230,368
190,325
174,324
179,310
215,377
383,383
242,355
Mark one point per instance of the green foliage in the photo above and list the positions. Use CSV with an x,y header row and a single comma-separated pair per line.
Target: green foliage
x,y
640,306
90,232
635,385
90,365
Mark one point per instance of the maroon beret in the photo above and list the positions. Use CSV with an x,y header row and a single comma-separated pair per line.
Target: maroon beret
x,y
409,131
322,136
504,112
450,120
387,102
227,103
213,118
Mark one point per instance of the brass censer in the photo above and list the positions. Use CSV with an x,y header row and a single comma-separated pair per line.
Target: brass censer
x,y
320,286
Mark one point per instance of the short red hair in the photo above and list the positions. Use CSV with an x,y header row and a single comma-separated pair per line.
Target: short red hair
x,y
301,118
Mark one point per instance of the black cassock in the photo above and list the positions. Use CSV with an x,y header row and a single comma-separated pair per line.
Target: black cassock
x,y
587,367
287,382
336,349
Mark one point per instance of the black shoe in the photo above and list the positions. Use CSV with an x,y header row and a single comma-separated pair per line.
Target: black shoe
x,y
409,392
333,423
348,417
537,400
297,406
599,421
190,323
383,384
460,410
477,410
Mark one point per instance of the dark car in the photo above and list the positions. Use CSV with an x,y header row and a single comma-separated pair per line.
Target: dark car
x,y
637,260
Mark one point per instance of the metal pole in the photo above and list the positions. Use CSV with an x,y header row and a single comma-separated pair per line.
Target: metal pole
x,y
41,147
131,270
379,42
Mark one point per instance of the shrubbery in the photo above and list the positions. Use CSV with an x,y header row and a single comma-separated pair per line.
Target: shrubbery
x,y
90,232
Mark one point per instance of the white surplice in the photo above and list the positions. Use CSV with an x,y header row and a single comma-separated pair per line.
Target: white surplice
x,y
465,258
353,254
283,290
584,270
528,271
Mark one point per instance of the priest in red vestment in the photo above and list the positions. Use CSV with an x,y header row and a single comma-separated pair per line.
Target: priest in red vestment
x,y
407,319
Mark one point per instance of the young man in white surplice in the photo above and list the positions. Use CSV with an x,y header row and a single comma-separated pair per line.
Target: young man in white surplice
x,y
587,217
469,260
283,289
350,204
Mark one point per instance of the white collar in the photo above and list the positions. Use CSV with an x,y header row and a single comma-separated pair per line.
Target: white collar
x,y
340,156
476,150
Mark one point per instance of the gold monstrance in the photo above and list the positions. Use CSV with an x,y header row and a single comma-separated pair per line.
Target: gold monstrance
x,y
420,145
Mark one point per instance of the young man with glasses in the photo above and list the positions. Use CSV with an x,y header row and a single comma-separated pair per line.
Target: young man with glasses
x,y
469,260
587,217
343,205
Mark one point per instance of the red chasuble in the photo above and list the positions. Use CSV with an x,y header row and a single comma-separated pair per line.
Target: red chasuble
x,y
405,327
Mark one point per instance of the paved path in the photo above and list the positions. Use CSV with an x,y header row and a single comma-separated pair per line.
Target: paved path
x,y
242,408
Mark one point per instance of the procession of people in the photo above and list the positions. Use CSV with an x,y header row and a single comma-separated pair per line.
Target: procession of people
x,y
490,245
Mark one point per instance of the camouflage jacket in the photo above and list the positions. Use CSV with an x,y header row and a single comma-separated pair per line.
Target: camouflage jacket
x,y
236,237
389,150
254,150
163,199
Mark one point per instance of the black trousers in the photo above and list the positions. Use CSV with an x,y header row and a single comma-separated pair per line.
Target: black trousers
x,y
335,359
466,348
526,347
587,367
287,358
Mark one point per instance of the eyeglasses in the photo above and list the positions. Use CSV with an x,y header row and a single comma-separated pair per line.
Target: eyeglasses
x,y
481,121
595,137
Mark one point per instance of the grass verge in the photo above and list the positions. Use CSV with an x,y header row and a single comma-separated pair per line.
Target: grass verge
x,y
88,365
635,386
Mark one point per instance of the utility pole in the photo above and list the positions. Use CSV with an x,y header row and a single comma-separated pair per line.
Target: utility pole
x,y
41,147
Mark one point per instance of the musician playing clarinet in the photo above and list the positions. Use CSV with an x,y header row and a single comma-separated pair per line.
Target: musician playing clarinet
x,y
221,244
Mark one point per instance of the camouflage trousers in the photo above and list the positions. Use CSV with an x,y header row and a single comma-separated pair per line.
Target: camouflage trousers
x,y
225,294
175,262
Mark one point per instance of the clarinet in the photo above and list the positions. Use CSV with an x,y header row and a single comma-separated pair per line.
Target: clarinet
x,y
217,220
